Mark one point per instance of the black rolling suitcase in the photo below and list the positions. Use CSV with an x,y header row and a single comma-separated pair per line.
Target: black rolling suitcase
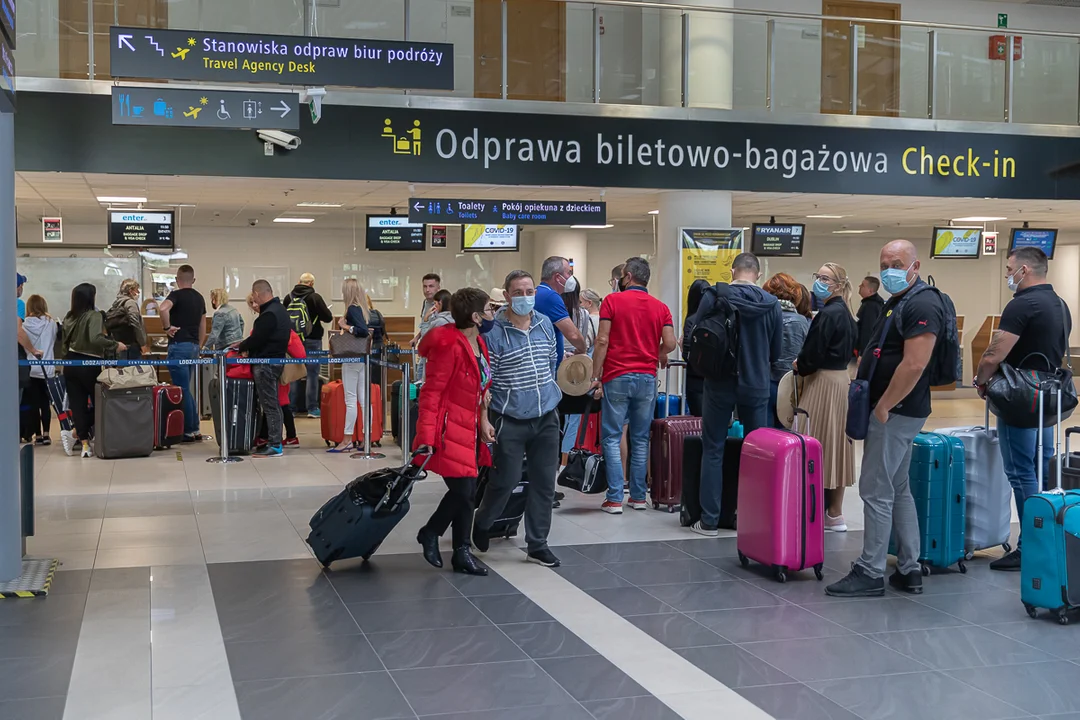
x,y
691,489
506,526
355,522
241,410
123,422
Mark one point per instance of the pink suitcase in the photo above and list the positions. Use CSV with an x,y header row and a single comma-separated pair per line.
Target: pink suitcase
x,y
781,502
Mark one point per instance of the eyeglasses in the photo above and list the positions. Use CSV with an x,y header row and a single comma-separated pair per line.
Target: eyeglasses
x,y
822,278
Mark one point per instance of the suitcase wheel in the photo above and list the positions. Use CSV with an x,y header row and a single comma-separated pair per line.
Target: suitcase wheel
x,y
925,569
656,506
962,566
1032,611
671,508
1063,616
818,572
780,574
745,561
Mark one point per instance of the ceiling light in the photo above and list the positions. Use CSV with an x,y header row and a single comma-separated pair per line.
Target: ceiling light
x,y
978,219
827,217
319,204
301,220
851,232
654,212
120,199
591,227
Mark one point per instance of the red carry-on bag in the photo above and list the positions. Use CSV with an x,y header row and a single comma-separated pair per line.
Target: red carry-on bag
x,y
666,438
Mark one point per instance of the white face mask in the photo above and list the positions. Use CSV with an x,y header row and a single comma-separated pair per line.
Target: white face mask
x,y
571,284
1012,282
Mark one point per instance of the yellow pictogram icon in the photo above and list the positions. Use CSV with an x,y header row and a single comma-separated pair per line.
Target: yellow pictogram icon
x,y
181,53
407,144
193,112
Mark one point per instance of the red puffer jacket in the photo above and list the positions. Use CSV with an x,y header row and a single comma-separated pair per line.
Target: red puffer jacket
x,y
451,404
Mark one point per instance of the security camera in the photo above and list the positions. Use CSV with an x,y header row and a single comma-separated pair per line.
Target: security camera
x,y
279,138
253,221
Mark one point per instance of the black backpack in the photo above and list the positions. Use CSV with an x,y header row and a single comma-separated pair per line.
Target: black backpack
x,y
946,364
714,340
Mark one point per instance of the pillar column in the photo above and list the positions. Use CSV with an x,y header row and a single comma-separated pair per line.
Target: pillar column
x,y
711,66
570,244
691,209
10,508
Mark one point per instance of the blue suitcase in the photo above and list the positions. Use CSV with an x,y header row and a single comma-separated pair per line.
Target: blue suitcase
x,y
1050,567
938,484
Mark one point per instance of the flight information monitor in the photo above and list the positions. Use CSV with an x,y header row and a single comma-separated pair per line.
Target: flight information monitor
x,y
775,240
957,242
1044,239
393,232
142,228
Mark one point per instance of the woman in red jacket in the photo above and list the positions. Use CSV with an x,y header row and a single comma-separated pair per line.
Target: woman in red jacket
x,y
452,425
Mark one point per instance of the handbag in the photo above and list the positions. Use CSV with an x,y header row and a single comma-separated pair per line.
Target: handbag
x,y
858,413
132,376
347,345
585,471
292,372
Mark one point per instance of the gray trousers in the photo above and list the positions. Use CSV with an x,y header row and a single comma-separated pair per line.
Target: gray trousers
x,y
886,494
518,442
267,378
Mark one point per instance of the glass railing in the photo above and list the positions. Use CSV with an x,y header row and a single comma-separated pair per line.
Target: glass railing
x,y
632,52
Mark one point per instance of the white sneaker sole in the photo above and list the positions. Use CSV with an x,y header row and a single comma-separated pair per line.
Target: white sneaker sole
x,y
541,563
704,533
836,528
612,511
641,506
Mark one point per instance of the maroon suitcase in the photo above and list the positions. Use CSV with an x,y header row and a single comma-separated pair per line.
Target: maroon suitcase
x,y
168,415
666,438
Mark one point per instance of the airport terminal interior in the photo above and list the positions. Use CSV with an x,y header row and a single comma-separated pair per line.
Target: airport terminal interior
x,y
173,586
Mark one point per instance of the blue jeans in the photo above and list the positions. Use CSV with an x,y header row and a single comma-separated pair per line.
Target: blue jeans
x,y
311,397
1018,446
721,399
627,399
181,376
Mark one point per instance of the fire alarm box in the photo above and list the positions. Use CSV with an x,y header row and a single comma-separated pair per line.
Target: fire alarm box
x,y
998,43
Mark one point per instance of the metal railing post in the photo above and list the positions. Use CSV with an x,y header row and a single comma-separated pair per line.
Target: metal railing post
x,y
90,37
770,62
223,428
931,74
1009,77
504,49
685,59
854,69
367,453
596,53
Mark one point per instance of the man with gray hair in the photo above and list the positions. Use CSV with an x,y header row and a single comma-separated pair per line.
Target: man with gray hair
x,y
269,339
557,277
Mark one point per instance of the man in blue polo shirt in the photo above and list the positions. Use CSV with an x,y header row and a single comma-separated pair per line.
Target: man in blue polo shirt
x,y
556,278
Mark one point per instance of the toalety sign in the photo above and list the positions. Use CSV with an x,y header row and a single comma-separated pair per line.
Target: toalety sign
x,y
475,211
279,59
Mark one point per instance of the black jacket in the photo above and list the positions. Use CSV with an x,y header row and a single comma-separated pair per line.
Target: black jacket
x,y
270,334
830,341
318,311
869,313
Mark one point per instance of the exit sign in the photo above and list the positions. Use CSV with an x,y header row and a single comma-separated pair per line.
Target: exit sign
x,y
1003,20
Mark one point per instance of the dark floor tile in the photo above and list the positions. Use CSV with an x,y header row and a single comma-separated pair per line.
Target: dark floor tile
x,y
733,666
1003,580
1037,688
1044,634
635,708
630,552
870,615
981,609
439,648
366,696
301,657
707,547
42,610
417,615
955,583
795,702
70,582
800,588
503,609
592,678
913,696
569,556
239,578
547,640
755,571
536,712
591,577
630,601
475,586
782,622
48,708
39,677
960,647
378,585
284,612
1066,716
832,658
39,639
475,688
692,597
676,630
668,572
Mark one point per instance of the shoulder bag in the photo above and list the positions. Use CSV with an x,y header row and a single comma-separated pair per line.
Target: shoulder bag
x,y
858,413
585,471
132,376
347,345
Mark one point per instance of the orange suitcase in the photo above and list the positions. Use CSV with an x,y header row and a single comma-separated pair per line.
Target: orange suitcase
x,y
332,412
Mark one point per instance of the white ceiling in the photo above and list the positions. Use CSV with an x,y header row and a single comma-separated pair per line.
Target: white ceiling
x,y
217,201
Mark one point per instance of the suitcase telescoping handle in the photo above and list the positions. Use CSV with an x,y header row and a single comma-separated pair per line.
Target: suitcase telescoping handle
x,y
1068,453
795,420
1056,387
667,386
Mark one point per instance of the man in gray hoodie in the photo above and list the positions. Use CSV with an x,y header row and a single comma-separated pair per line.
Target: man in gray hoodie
x,y
760,345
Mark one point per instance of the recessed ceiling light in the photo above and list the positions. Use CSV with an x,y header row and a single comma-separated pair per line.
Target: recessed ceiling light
x,y
301,220
319,204
591,227
851,232
979,219
120,199
828,217
654,212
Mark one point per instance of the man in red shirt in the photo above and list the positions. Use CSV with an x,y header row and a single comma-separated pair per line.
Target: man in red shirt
x,y
636,336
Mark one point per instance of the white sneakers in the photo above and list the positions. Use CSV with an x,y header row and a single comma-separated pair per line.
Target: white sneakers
x,y
834,524
68,439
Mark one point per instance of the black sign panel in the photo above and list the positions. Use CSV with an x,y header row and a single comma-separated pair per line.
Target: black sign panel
x,y
506,212
777,240
393,232
279,59
204,107
141,228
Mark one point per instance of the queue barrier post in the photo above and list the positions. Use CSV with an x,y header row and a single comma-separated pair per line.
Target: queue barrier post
x,y
367,453
405,401
223,418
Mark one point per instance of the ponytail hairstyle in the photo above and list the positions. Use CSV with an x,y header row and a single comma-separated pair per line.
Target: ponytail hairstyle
x,y
842,280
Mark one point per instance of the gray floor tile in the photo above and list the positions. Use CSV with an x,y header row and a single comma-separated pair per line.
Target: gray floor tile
x,y
960,647
1037,688
981,609
630,601
40,677
692,597
382,585
707,547
301,657
914,696
39,639
536,712
367,696
70,582
800,588
547,640
831,658
955,583
733,666
439,648
592,678
474,586
129,578
676,630
50,708
795,702
630,552
284,612
70,507
782,622
1044,634
1066,716
870,615
474,688
668,572
637,708
1003,580
417,615
591,577
241,578
44,610
502,609
149,504
569,556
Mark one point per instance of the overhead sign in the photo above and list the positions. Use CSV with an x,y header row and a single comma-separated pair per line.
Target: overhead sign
x,y
279,59
1044,239
141,228
777,240
393,232
507,212
52,230
475,238
438,236
706,254
957,242
204,107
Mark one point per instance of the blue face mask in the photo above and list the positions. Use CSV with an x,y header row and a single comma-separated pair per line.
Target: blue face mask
x,y
486,325
523,305
895,280
821,290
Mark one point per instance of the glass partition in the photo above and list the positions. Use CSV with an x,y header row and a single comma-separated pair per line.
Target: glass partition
x,y
1045,81
968,85
796,66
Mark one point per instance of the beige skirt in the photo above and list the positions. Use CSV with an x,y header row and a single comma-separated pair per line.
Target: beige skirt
x,y
825,399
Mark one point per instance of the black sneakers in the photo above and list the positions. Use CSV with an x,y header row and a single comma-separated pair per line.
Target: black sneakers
x,y
910,583
857,584
1010,562
480,539
544,557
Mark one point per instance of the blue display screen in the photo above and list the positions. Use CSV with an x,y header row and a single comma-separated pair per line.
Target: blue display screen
x,y
1043,239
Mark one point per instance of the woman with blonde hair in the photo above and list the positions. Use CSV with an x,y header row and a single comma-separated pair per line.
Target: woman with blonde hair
x,y
227,326
355,322
823,365
124,321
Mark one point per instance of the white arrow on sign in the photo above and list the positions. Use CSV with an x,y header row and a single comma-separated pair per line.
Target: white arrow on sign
x,y
122,40
283,108
417,207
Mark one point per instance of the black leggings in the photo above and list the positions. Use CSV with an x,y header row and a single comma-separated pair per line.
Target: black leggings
x,y
80,391
287,420
40,414
456,509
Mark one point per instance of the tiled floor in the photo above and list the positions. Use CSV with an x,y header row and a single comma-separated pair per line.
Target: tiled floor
x,y
187,591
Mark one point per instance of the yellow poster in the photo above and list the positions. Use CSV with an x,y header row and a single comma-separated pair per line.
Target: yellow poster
x,y
707,254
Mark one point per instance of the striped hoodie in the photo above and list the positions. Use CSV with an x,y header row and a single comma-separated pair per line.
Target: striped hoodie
x,y
523,367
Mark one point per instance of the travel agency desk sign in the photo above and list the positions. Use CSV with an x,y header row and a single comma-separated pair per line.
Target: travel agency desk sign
x,y
279,59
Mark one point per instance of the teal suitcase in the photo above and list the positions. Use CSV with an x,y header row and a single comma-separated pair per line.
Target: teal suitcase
x,y
938,485
1050,567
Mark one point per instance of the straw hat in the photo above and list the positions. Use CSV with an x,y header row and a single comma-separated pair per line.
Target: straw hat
x,y
496,296
785,393
575,375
